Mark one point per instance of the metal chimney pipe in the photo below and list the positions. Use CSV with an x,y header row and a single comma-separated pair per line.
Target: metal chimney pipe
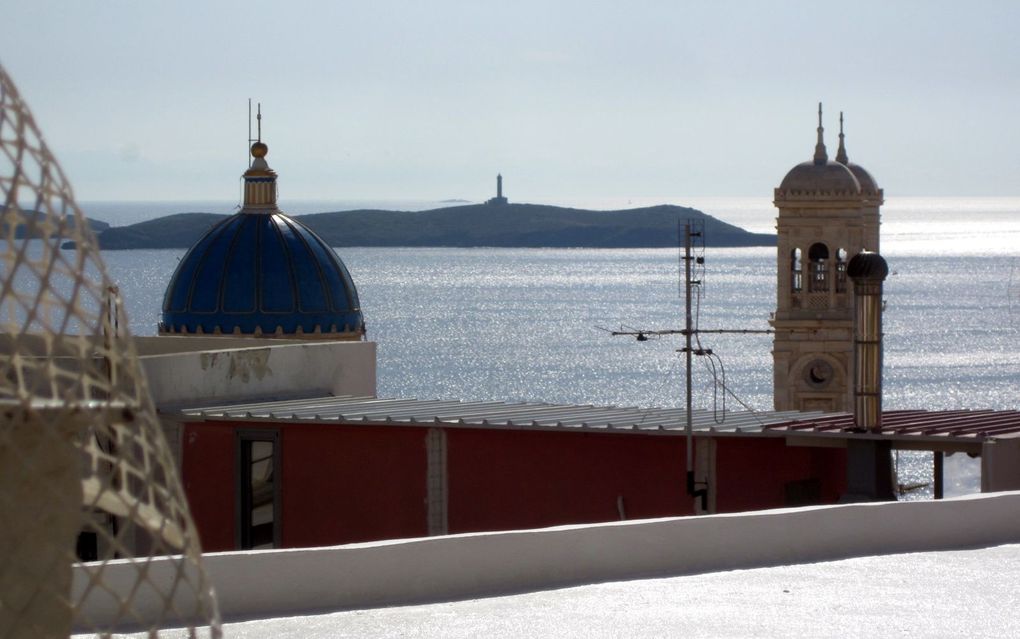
x,y
867,270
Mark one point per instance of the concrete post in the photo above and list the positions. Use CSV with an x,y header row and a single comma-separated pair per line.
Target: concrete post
x,y
1000,465
40,511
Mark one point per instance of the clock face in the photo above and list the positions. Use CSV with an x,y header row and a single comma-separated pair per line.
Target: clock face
x,y
818,373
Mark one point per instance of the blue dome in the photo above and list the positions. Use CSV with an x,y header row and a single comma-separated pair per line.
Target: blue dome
x,y
262,273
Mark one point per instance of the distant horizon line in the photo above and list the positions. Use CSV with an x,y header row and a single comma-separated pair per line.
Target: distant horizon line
x,y
543,199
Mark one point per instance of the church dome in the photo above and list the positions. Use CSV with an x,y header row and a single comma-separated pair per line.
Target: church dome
x,y
828,177
868,184
260,272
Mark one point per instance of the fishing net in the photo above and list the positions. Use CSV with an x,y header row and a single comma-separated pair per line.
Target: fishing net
x,y
95,533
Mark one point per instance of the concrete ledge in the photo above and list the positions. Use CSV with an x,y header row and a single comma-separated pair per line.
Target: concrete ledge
x,y
260,584
266,370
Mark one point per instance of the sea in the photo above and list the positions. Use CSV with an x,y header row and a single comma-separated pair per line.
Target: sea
x,y
536,324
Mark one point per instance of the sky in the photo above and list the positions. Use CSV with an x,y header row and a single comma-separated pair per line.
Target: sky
x,y
429,100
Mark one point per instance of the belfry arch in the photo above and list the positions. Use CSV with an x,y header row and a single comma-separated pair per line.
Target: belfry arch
x,y
841,260
796,271
818,268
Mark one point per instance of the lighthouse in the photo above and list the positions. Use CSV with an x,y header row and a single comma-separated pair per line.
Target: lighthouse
x,y
499,199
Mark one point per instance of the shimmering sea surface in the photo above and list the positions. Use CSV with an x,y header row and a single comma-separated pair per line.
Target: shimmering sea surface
x,y
531,324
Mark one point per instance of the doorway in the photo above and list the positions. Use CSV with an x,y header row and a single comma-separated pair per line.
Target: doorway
x,y
258,507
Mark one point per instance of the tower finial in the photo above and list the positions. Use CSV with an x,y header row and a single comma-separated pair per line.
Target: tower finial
x,y
258,119
841,152
821,155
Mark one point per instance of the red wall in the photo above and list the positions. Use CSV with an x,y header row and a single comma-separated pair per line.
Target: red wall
x,y
209,476
501,480
344,484
752,473
339,484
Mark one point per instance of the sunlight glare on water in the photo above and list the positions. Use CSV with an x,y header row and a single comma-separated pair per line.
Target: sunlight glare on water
x,y
515,324
531,324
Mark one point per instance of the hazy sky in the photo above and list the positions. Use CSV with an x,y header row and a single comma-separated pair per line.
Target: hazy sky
x,y
429,99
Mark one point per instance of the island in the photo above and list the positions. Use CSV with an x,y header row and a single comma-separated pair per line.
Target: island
x,y
468,225
31,221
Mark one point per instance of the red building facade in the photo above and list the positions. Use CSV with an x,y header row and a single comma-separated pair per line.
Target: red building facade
x,y
288,482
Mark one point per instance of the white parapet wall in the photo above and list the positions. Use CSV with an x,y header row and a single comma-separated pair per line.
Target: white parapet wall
x,y
276,583
259,370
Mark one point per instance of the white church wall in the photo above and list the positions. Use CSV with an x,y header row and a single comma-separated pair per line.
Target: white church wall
x,y
275,583
227,374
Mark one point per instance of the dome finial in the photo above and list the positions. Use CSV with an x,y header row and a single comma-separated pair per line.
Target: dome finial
x,y
821,156
259,179
259,149
841,152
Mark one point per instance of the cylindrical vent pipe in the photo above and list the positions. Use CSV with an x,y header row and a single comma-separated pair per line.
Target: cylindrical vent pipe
x,y
867,270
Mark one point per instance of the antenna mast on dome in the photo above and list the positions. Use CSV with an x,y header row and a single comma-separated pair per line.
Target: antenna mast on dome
x,y
251,140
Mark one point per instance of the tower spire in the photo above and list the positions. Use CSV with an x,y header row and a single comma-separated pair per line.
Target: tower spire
x,y
841,152
821,155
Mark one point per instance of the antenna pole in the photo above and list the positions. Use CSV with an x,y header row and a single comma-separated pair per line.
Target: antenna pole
x,y
688,326
247,151
693,270
259,118
688,357
688,331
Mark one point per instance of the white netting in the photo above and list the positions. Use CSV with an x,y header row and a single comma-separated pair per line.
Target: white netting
x,y
90,502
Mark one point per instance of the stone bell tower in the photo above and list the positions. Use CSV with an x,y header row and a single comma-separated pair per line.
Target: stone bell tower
x,y
828,212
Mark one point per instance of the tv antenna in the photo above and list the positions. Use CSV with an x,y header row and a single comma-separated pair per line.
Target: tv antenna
x,y
258,138
694,269
247,150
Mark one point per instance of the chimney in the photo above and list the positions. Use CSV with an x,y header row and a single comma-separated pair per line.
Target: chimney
x,y
867,270
869,459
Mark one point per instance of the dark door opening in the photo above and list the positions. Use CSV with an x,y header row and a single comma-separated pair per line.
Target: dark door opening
x,y
258,510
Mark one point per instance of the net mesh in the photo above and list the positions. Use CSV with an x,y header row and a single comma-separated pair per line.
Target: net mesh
x,y
95,533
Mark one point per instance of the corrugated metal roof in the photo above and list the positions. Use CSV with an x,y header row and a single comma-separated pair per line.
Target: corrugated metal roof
x,y
952,425
942,424
374,410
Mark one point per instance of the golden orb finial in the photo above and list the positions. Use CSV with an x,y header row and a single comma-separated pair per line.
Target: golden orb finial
x,y
259,149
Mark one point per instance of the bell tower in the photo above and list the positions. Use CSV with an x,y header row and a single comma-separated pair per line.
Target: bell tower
x,y
828,212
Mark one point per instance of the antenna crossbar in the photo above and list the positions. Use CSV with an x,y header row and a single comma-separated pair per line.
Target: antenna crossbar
x,y
695,331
